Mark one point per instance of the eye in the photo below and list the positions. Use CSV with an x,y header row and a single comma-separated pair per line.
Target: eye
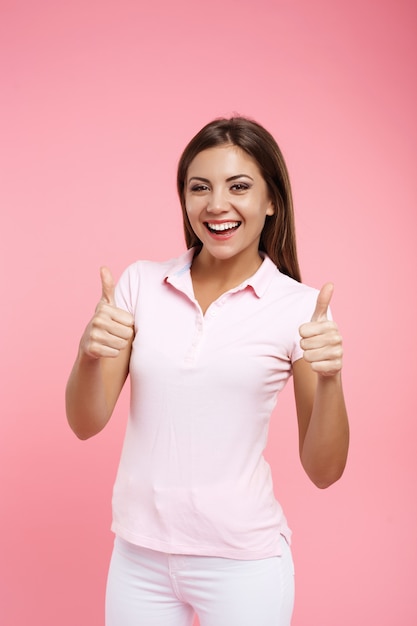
x,y
240,187
199,187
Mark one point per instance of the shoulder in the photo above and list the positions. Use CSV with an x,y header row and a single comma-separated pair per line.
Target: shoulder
x,y
292,288
281,286
155,269
286,298
144,277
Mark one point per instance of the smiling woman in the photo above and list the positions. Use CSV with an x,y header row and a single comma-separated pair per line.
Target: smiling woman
x,y
210,339
261,152
226,209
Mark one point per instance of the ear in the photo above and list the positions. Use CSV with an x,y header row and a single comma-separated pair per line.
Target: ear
x,y
270,209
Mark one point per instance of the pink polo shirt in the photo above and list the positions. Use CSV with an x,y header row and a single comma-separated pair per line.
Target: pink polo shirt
x,y
192,477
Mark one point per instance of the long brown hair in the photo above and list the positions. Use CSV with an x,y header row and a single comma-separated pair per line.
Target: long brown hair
x,y
278,235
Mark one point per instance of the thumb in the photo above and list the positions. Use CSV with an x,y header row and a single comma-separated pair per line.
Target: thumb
x,y
107,285
322,304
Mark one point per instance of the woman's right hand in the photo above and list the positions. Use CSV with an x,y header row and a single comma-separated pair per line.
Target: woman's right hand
x,y
111,329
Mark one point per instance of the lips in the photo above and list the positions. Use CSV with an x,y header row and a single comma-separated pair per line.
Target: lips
x,y
222,228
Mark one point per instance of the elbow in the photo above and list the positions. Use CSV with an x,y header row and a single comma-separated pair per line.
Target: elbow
x,y
326,478
325,473
325,466
82,436
324,483
82,431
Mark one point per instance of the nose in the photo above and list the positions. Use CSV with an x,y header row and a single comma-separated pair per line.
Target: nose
x,y
217,203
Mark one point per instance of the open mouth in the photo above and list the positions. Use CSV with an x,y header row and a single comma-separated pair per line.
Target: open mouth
x,y
224,228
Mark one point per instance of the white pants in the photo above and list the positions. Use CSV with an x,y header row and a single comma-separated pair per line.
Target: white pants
x,y
149,588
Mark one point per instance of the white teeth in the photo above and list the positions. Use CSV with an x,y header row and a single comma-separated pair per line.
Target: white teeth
x,y
224,226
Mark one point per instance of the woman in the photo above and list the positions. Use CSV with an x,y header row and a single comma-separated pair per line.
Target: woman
x,y
209,340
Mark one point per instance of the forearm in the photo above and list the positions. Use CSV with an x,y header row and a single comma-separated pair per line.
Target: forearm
x,y
325,446
85,398
102,364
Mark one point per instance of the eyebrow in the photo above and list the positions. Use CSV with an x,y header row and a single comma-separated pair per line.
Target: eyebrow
x,y
228,180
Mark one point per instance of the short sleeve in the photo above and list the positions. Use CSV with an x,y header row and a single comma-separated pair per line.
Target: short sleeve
x,y
127,289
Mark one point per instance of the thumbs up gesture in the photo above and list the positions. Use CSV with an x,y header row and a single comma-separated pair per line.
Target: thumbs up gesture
x,y
320,338
111,328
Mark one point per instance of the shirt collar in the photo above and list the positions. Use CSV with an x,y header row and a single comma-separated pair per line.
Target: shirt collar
x,y
262,278
179,272
181,265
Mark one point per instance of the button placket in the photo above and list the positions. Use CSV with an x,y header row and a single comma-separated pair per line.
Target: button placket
x,y
196,340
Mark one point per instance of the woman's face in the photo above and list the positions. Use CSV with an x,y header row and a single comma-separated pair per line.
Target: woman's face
x,y
227,201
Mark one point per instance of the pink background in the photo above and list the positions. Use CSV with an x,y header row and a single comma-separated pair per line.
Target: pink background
x,y
97,100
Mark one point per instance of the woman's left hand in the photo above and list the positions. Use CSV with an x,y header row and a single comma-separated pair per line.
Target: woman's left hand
x,y
320,338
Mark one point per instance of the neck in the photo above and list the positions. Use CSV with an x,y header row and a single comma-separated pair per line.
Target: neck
x,y
229,272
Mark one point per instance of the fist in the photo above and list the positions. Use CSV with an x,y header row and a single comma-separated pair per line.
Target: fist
x,y
111,329
320,338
